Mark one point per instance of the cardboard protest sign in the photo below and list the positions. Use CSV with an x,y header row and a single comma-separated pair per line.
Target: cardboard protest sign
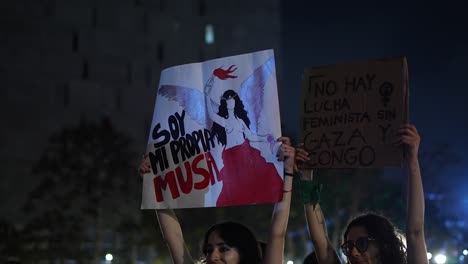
x,y
213,135
350,113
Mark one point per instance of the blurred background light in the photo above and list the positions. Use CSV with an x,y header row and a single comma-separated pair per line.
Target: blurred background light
x,y
209,34
440,259
429,255
109,257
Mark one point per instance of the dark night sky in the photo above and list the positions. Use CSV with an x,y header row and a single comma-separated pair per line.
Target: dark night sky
x,y
434,39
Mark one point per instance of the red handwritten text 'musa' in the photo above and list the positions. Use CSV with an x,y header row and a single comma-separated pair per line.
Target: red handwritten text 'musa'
x,y
196,177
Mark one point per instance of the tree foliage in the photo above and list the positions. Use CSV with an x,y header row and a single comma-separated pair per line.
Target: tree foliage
x,y
87,188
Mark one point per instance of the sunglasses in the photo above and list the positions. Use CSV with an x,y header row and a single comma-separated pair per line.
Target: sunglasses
x,y
361,244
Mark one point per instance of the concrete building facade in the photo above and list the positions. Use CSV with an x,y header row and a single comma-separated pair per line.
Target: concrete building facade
x,y
64,60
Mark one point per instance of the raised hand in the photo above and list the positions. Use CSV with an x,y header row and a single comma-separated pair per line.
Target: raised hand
x,y
408,135
301,154
145,165
287,153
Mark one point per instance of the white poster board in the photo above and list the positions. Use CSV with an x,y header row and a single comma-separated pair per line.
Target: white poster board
x,y
213,135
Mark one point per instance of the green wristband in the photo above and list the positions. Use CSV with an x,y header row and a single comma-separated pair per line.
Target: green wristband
x,y
310,192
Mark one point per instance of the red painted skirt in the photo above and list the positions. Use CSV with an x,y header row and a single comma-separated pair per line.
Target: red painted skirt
x,y
248,178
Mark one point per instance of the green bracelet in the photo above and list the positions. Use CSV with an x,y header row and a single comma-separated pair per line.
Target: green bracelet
x,y
310,192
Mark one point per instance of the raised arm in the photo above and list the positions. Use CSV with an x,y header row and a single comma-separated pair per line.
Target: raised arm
x,y
274,252
172,235
416,251
211,112
169,226
324,250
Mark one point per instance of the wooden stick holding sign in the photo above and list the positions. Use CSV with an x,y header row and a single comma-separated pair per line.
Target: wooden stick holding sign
x,y
350,112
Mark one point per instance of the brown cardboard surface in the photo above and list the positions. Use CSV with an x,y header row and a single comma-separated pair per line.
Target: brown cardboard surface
x,y
351,111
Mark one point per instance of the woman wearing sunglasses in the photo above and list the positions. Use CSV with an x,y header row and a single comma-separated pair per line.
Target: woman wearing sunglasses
x,y
372,238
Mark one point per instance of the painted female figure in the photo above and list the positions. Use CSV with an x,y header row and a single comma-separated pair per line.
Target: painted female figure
x,y
245,171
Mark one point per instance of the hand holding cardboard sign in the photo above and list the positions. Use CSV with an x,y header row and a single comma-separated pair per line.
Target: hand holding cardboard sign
x,y
286,153
408,135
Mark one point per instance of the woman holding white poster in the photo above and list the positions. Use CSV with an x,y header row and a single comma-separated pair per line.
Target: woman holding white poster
x,y
372,238
230,242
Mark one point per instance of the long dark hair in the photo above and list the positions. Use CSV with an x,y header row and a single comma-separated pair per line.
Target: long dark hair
x,y
238,236
391,248
239,112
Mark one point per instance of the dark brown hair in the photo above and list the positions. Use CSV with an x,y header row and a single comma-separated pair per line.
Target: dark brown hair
x,y
391,248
